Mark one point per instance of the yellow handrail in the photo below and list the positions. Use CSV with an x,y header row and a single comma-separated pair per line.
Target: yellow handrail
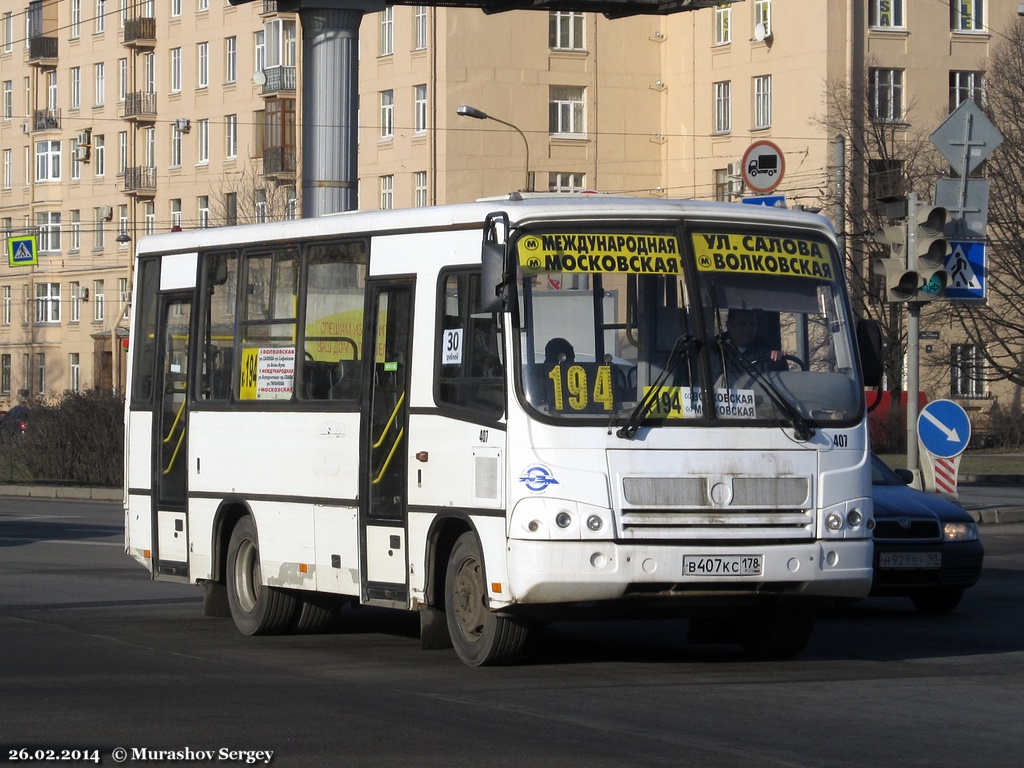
x,y
387,461
174,456
391,420
177,418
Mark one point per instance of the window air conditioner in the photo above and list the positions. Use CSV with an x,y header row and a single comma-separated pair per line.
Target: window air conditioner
x,y
84,138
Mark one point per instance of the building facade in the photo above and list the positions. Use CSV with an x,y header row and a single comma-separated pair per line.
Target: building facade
x,y
125,117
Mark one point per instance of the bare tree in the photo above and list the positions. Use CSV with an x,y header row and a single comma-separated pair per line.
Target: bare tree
x,y
887,156
999,322
250,197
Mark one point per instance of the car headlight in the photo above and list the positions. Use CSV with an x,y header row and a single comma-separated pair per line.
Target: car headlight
x,y
960,531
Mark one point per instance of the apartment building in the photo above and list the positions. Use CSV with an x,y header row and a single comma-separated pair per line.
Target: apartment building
x,y
124,117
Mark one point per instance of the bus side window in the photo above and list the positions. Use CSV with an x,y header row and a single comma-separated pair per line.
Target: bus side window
x,y
470,368
218,320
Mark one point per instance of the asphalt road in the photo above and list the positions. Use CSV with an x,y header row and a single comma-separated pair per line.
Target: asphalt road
x,y
94,656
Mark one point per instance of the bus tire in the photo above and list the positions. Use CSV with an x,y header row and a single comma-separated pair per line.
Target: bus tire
x,y
255,608
480,636
776,632
317,612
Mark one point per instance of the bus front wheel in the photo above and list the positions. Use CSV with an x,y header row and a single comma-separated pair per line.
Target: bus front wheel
x,y
480,636
255,608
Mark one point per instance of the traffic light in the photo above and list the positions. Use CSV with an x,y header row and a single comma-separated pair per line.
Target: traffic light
x,y
901,283
929,250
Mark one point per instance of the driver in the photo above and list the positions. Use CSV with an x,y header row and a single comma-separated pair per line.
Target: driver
x,y
743,326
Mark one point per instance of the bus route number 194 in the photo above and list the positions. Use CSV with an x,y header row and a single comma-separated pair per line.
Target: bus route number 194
x,y
723,565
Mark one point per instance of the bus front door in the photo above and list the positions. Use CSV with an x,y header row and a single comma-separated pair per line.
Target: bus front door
x,y
170,466
384,490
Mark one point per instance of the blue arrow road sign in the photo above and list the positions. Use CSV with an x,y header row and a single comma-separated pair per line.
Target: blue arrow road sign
x,y
772,201
967,268
944,429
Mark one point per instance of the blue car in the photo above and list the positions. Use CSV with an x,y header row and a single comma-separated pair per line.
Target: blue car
x,y
926,547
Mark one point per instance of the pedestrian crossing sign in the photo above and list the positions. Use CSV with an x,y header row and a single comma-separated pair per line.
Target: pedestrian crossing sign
x,y
21,251
967,267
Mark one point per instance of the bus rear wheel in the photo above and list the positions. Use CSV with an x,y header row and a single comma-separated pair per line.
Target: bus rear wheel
x,y
480,636
255,608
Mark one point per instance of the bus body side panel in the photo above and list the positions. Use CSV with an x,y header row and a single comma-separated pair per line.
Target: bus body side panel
x,y
238,456
138,475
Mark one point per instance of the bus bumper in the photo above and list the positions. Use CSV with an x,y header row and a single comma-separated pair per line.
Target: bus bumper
x,y
571,572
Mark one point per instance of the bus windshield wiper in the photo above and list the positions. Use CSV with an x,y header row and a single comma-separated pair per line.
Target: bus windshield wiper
x,y
681,346
802,428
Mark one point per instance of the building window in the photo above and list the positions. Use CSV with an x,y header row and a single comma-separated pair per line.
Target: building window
x,y
420,27
387,193
47,161
203,210
722,184
885,95
47,303
968,371
565,31
260,199
387,114
74,372
964,85
203,5
122,80
230,59
387,31
723,24
101,17
203,62
419,189
260,50
723,106
566,114
231,136
967,15
76,87
9,30
176,213
99,84
76,301
175,70
763,15
567,182
99,149
763,101
6,307
48,224
41,374
203,141
8,99
98,300
5,374
8,168
419,108
175,147
122,153
175,8
76,230
100,217
886,14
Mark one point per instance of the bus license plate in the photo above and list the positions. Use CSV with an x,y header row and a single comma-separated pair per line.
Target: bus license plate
x,y
723,565
910,560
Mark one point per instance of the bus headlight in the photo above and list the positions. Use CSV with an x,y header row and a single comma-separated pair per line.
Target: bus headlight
x,y
563,519
834,521
854,518
595,523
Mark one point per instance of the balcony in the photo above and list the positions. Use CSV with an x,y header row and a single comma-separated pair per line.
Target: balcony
x,y
279,80
140,106
140,180
140,32
42,51
46,119
279,162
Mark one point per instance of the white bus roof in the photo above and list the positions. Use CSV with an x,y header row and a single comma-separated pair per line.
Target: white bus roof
x,y
520,210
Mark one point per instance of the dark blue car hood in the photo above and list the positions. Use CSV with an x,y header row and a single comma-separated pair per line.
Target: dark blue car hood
x,y
903,501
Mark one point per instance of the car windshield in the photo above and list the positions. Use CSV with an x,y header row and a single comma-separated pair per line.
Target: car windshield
x,y
714,325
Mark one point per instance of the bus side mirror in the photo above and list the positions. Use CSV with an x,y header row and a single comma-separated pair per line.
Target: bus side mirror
x,y
869,344
493,272
492,277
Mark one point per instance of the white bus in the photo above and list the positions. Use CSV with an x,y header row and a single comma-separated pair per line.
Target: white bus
x,y
501,412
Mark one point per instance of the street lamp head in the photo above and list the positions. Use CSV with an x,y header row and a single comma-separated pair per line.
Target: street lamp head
x,y
124,237
467,111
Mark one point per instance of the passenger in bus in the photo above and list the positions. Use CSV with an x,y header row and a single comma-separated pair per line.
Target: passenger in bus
x,y
558,350
744,328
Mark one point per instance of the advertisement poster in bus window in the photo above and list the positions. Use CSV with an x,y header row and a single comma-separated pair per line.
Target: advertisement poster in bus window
x,y
335,337
268,373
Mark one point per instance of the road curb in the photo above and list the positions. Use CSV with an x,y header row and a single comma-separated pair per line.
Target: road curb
x,y
80,493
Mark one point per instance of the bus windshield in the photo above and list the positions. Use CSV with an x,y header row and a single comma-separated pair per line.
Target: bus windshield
x,y
673,329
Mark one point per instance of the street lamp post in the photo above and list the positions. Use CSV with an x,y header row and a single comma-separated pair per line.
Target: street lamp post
x,y
467,111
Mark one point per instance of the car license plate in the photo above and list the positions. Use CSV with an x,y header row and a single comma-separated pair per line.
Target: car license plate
x,y
723,565
910,560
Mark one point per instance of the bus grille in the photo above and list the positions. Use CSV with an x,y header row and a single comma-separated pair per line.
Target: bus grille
x,y
736,508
